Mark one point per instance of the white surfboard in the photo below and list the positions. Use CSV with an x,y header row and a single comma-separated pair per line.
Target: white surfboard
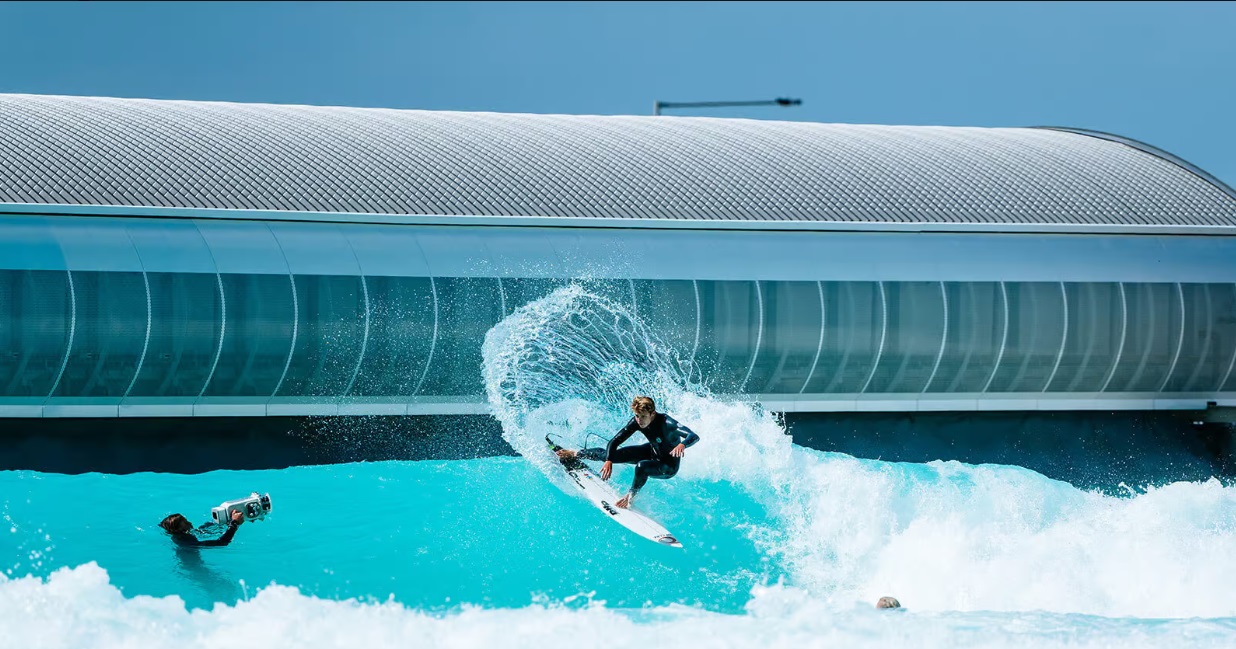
x,y
603,495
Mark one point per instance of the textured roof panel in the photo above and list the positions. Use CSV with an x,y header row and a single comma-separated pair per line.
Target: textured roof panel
x,y
150,153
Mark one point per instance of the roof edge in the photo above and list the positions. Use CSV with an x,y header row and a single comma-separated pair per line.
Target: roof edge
x,y
1150,149
49,209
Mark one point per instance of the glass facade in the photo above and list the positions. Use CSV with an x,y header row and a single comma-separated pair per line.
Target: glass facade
x,y
91,334
188,311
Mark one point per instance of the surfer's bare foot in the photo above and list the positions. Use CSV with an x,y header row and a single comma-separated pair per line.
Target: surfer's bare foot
x,y
566,454
625,502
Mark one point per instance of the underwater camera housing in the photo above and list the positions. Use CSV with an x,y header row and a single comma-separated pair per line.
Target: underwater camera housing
x,y
253,508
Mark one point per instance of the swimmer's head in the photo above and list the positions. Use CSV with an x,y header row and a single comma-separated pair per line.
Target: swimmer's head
x,y
176,524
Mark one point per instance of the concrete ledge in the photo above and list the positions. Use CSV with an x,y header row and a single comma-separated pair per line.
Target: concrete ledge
x,y
302,409
361,409
82,410
156,410
229,410
21,412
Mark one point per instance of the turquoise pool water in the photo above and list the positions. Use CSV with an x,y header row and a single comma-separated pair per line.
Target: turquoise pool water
x,y
784,546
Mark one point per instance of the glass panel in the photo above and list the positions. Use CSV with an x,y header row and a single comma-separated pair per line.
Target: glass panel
x,y
855,317
170,245
35,334
467,308
184,333
516,292
1036,325
401,330
915,331
243,247
792,321
28,244
95,244
386,250
530,252
729,329
109,336
1225,336
975,328
455,252
1154,329
259,336
1202,363
315,249
667,307
328,337
1095,322
617,291
597,252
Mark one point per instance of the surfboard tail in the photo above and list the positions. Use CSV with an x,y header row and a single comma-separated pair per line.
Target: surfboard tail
x,y
668,539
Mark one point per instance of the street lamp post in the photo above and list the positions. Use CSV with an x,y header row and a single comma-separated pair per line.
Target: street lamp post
x,y
658,105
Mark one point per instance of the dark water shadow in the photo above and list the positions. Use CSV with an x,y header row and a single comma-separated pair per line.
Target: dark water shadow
x,y
1090,450
207,583
200,444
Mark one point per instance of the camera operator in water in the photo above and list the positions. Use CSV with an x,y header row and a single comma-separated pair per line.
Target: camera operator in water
x,y
184,535
232,512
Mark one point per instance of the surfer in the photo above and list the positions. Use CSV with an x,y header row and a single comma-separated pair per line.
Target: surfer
x,y
668,441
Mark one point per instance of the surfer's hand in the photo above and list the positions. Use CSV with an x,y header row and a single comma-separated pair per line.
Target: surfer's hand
x,y
679,450
624,503
607,470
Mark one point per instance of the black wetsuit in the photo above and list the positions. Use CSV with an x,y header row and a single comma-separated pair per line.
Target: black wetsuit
x,y
651,460
190,539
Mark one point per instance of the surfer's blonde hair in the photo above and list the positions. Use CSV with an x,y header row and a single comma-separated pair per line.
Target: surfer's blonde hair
x,y
644,405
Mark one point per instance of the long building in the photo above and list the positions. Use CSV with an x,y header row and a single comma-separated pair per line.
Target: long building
x,y
178,259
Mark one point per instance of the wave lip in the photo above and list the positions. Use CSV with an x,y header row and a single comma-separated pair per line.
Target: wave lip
x,y
947,536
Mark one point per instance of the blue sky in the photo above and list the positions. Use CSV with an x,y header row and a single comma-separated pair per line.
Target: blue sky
x,y
1159,72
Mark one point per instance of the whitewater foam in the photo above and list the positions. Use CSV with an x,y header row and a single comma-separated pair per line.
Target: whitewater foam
x,y
79,608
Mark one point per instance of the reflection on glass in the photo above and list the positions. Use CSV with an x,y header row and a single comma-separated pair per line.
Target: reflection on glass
x,y
401,331
771,337
184,333
329,336
467,308
975,336
915,332
108,337
35,333
730,328
671,311
260,317
1203,355
517,292
852,333
793,316
1035,332
1095,324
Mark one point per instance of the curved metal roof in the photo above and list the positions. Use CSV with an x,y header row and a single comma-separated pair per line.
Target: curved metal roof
x,y
57,150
